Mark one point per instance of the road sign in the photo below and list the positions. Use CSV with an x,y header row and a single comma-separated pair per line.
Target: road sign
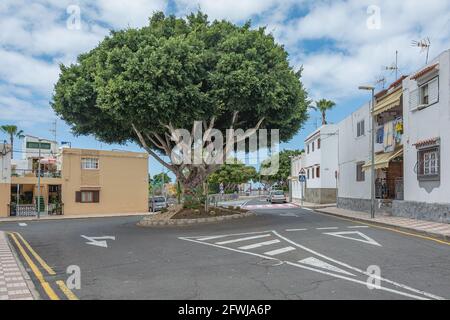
x,y
302,178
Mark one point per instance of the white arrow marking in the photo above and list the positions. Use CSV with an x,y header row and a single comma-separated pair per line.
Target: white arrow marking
x,y
365,239
22,224
321,264
98,241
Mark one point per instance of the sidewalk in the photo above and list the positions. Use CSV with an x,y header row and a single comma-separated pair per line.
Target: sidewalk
x,y
13,286
434,229
81,216
311,205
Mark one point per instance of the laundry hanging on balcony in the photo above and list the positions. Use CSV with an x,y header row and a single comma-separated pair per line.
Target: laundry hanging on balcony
x,y
389,141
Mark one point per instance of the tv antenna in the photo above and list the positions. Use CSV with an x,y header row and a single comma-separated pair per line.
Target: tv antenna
x,y
380,80
53,130
393,67
424,45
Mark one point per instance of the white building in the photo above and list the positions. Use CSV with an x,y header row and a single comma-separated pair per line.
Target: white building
x,y
353,152
320,164
426,108
30,147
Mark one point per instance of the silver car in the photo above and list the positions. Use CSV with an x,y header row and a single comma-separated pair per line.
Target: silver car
x,y
159,203
277,196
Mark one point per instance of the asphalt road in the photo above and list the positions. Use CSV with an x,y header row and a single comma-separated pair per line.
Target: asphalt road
x,y
282,253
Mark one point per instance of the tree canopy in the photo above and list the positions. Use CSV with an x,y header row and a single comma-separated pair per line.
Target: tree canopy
x,y
284,171
138,83
232,175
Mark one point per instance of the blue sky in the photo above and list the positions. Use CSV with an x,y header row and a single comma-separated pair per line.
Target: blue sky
x,y
341,44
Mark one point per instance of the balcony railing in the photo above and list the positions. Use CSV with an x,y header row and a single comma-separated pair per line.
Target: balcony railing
x,y
35,173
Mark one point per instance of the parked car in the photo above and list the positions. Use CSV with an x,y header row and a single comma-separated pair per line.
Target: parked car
x,y
159,202
277,196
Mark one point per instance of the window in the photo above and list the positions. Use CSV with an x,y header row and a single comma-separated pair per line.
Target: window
x,y
318,172
89,163
307,148
312,172
318,143
312,146
87,196
428,161
429,92
360,128
307,173
360,174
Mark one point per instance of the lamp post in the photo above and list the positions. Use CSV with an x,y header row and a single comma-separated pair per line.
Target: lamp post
x,y
372,155
39,183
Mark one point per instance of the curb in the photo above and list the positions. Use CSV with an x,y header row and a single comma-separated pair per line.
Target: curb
x,y
25,274
185,222
393,226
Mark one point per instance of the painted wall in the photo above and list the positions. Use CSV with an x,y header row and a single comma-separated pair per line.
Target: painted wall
x,y
5,178
431,122
121,178
34,152
351,150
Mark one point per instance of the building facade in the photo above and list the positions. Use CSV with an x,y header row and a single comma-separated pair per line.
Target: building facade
x,y
426,108
78,182
320,164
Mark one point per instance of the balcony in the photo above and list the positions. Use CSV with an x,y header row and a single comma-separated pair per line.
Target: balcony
x,y
28,173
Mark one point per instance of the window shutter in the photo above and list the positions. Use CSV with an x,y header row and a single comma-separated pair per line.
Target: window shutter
x,y
77,196
413,99
433,91
96,196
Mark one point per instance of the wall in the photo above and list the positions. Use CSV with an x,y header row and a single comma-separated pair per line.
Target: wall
x,y
351,150
296,165
329,156
431,122
122,179
5,179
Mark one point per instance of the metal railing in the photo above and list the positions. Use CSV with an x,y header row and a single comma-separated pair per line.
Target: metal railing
x,y
34,173
389,189
30,210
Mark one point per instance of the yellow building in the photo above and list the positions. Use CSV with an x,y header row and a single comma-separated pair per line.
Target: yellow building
x,y
80,182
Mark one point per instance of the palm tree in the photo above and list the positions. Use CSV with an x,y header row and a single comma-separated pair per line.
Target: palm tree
x,y
12,131
323,105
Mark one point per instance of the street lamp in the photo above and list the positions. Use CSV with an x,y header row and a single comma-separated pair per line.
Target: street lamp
x,y
39,182
372,166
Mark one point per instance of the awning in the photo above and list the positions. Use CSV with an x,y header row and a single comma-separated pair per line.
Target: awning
x,y
48,161
390,101
382,159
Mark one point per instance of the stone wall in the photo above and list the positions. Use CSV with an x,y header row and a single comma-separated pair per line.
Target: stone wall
x,y
320,195
438,212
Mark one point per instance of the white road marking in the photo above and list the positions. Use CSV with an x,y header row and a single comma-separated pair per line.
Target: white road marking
x,y
289,214
354,227
296,230
22,224
364,283
210,238
98,241
259,244
309,209
279,251
343,234
243,239
328,228
322,264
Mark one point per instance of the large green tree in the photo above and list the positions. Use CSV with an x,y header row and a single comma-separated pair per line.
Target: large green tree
x,y
138,85
12,131
284,171
232,175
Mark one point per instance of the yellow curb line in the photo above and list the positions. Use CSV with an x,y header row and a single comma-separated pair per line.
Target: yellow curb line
x,y
38,258
47,288
69,294
387,228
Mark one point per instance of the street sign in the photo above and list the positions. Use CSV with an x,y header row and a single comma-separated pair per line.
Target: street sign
x,y
302,178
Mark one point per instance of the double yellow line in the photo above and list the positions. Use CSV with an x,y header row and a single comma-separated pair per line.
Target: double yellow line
x,y
19,240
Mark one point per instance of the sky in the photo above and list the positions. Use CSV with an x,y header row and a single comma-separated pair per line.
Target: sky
x,y
340,44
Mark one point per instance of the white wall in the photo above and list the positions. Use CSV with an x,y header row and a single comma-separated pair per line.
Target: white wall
x,y
351,150
431,122
5,163
296,165
34,152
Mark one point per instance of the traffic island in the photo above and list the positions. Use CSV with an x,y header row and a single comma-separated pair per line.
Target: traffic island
x,y
179,216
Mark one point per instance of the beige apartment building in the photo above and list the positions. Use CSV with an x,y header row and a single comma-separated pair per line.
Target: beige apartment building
x,y
79,182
